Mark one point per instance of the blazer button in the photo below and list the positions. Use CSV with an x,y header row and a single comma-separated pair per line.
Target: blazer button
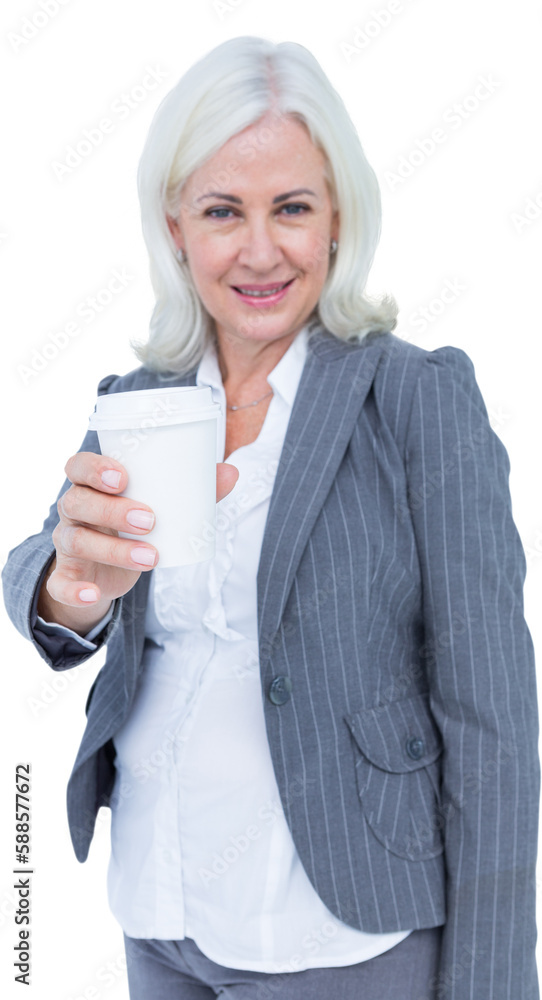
x,y
279,690
415,748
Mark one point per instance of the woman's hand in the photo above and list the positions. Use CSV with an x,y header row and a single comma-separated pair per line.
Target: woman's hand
x,y
93,566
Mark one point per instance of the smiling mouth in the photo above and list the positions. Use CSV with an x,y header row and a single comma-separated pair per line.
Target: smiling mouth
x,y
262,292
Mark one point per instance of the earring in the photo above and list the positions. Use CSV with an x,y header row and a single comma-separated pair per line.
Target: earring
x,y
333,246
180,255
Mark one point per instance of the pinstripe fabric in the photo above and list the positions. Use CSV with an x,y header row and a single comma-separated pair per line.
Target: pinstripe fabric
x,y
390,593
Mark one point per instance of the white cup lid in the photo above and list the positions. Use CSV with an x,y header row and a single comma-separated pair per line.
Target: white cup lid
x,y
153,407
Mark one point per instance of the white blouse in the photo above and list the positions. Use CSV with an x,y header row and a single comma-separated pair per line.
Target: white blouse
x,y
213,858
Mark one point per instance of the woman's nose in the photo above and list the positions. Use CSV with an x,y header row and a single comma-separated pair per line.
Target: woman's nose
x,y
260,248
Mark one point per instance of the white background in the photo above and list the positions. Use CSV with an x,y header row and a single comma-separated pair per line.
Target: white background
x,y
456,219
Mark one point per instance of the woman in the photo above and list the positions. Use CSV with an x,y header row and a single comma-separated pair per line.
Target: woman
x,y
319,747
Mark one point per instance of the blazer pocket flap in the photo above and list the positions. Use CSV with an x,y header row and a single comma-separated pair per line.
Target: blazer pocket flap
x,y
399,737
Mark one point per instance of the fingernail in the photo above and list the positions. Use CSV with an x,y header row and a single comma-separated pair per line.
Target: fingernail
x,y
140,518
143,556
111,478
88,595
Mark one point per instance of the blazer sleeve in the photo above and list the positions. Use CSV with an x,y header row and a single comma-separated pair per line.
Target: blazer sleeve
x,y
480,666
24,572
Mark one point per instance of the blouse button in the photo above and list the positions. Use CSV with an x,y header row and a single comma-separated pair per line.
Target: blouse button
x,y
415,748
279,690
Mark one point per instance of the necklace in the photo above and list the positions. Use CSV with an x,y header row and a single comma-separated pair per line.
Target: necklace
x,y
244,406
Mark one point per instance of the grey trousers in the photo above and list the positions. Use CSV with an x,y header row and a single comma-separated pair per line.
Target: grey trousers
x,y
178,970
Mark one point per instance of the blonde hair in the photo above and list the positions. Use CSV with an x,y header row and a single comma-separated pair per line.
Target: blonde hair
x,y
227,90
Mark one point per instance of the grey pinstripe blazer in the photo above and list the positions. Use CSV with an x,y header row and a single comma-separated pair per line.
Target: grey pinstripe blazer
x,y
392,636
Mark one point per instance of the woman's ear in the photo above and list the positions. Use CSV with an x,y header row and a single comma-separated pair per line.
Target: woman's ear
x,y
174,229
335,225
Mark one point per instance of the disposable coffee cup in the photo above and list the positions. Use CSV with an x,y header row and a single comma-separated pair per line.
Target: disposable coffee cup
x,y
166,440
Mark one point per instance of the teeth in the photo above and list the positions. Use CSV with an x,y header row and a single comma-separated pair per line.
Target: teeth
x,y
271,291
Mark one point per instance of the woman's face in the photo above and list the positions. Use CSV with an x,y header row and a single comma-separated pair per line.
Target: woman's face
x,y
246,225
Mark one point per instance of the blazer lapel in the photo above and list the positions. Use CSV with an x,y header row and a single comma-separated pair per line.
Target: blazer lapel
x,y
333,387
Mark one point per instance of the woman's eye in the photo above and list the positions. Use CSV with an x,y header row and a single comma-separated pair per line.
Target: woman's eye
x,y
295,205
213,210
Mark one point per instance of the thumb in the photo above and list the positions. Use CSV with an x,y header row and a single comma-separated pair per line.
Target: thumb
x,y
226,478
